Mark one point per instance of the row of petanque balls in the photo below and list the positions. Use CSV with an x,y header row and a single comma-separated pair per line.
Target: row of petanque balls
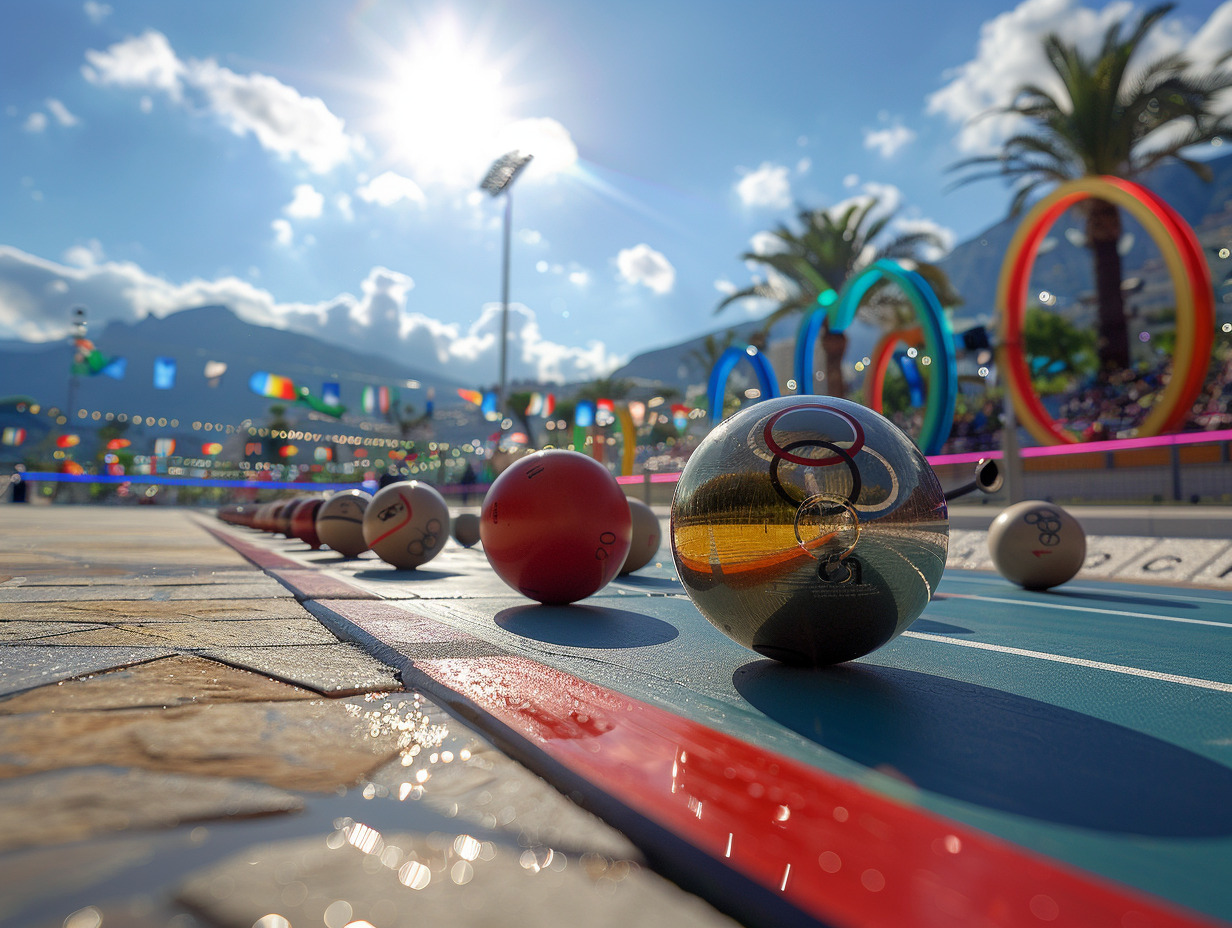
x,y
555,526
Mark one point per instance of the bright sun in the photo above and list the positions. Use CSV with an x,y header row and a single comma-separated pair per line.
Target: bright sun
x,y
447,113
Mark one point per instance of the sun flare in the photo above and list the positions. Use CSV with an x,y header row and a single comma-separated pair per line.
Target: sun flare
x,y
447,112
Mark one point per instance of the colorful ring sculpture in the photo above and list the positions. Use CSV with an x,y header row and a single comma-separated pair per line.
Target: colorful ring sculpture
x,y
722,371
883,354
1195,302
938,342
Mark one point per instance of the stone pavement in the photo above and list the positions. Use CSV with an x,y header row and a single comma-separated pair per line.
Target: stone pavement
x,y
183,745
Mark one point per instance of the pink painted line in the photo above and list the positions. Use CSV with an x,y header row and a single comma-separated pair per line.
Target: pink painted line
x,y
833,849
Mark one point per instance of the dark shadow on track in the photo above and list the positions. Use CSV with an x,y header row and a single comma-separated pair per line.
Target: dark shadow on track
x,y
994,749
939,628
649,584
1155,601
390,572
586,626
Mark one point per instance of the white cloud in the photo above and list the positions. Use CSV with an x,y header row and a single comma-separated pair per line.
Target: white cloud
x,y
278,116
61,113
1009,54
88,255
641,264
804,165
35,122
36,294
907,226
725,287
96,11
851,180
283,233
888,141
768,186
390,188
551,144
307,203
343,204
145,62
765,243
579,278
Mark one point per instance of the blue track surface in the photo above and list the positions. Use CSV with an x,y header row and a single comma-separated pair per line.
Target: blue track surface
x,y
1091,724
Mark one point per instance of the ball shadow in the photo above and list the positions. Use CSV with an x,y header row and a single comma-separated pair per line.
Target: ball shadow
x,y
994,749
939,628
388,572
586,626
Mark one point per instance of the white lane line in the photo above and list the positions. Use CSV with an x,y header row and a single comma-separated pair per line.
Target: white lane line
x,y
1050,605
1078,661
1181,592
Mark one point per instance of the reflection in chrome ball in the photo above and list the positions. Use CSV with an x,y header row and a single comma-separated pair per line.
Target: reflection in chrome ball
x,y
809,529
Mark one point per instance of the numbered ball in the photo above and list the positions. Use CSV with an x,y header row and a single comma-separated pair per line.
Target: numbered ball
x,y
466,529
304,523
555,526
340,522
809,529
1036,544
406,524
646,536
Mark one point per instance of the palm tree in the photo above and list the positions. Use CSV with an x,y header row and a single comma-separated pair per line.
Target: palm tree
x,y
1110,121
830,248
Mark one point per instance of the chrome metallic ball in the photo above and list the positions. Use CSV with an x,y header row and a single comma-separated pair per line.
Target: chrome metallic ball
x,y
809,529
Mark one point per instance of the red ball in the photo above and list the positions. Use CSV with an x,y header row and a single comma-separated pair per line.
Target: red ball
x,y
555,526
304,523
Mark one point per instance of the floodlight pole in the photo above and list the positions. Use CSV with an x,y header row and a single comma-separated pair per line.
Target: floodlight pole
x,y
498,180
78,332
504,342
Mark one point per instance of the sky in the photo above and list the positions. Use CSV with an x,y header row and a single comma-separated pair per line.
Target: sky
x,y
315,164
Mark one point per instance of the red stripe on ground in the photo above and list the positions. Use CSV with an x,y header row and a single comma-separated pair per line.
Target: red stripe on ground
x,y
834,849
261,557
310,583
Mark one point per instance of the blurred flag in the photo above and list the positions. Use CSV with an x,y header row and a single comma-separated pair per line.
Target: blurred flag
x,y
319,405
637,412
88,361
164,373
211,448
323,453
117,444
68,441
541,404
430,402
584,414
331,394
164,447
471,396
376,399
252,448
272,385
12,435
488,407
214,371
288,451
680,416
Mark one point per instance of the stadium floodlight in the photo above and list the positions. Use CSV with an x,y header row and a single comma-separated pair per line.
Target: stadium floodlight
x,y
498,180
